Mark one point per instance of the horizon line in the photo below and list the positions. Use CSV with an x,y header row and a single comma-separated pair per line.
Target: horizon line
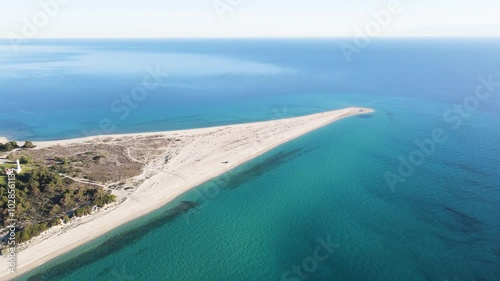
x,y
269,37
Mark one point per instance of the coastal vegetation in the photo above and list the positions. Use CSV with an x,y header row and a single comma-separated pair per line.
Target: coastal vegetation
x,y
11,145
59,183
28,144
44,199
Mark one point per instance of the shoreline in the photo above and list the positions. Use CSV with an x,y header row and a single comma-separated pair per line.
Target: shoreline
x,y
212,147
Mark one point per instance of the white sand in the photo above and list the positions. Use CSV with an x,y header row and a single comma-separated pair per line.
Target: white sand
x,y
199,160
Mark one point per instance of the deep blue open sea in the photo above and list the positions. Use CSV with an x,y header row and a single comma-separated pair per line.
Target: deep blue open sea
x,y
321,207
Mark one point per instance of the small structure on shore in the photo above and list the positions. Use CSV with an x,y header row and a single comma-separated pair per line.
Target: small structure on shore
x,y
18,170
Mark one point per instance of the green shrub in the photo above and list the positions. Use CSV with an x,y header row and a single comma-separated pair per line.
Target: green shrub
x,y
25,160
8,146
45,197
30,231
55,222
28,144
101,198
65,219
83,211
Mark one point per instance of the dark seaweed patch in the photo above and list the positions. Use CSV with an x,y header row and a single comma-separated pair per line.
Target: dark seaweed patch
x,y
110,246
469,168
236,179
466,222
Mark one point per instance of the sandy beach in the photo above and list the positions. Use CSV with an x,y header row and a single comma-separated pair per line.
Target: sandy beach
x,y
200,155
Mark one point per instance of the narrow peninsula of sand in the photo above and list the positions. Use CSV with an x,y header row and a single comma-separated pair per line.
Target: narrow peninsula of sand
x,y
163,165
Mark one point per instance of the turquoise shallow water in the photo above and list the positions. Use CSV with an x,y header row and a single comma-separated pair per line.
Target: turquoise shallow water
x,y
264,219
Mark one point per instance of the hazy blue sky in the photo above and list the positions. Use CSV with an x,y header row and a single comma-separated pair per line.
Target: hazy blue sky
x,y
251,18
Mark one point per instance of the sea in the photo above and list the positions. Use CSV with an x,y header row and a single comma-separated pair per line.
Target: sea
x,y
408,192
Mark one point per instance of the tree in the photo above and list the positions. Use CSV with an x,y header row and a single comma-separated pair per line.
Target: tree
x,y
11,145
56,210
83,211
28,144
67,200
43,198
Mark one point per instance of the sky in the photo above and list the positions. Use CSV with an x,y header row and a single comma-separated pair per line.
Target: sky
x,y
246,18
